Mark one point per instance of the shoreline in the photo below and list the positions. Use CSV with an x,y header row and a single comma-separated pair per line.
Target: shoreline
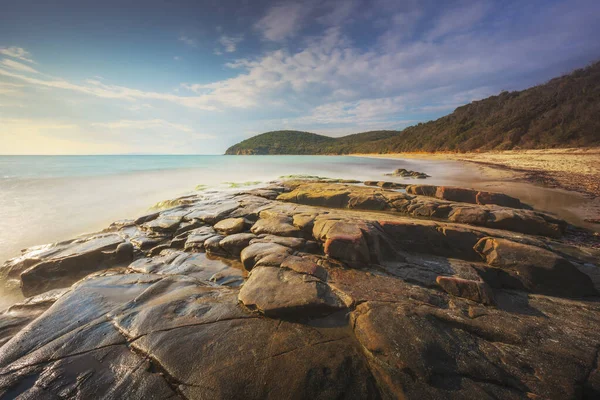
x,y
336,267
575,171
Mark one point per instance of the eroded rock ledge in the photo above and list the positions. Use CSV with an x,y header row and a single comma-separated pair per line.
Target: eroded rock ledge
x,y
310,290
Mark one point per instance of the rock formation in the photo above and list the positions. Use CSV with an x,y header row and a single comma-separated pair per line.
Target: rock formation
x,y
308,290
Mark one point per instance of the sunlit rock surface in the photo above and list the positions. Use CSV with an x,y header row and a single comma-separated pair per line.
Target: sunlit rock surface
x,y
307,290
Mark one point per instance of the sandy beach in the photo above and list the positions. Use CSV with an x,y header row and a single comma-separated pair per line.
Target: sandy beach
x,y
575,171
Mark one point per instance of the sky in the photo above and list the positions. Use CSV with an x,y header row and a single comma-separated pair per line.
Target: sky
x,y
195,77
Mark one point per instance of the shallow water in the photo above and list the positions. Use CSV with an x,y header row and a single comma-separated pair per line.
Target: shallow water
x,y
51,198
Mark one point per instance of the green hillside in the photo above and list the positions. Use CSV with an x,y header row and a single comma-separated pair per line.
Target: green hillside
x,y
564,112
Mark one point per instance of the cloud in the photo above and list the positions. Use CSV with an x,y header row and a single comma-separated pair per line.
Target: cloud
x,y
177,58
10,88
188,40
230,43
150,124
99,89
459,19
18,53
283,21
18,66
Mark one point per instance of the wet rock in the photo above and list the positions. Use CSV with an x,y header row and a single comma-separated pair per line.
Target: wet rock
x,y
75,261
146,218
213,246
456,194
213,213
280,292
196,238
499,199
422,323
147,242
497,355
163,224
448,205
291,242
469,215
304,222
234,244
230,226
468,289
200,266
264,254
403,172
19,315
422,190
524,221
304,265
538,270
279,226
343,240
187,226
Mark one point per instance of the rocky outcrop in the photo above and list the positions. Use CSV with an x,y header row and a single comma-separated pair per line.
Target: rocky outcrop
x,y
449,207
465,195
405,173
330,291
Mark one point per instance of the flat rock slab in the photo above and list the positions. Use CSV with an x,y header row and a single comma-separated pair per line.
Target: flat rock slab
x,y
230,226
271,254
279,292
201,266
279,226
234,244
535,269
74,263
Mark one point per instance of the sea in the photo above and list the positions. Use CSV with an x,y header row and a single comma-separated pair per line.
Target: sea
x,y
51,198
46,199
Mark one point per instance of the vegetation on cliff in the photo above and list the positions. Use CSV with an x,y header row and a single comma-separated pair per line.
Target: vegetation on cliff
x,y
560,113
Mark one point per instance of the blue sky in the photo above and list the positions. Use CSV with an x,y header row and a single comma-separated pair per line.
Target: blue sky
x,y
90,77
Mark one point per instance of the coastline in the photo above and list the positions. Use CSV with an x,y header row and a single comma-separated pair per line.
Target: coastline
x,y
300,276
574,171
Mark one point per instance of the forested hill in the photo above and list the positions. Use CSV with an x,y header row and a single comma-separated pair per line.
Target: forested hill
x,y
564,112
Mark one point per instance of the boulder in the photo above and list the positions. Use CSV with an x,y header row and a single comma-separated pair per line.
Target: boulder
x,y
279,226
456,194
538,270
230,226
422,190
277,292
271,253
343,240
196,238
212,245
304,265
499,199
234,244
163,224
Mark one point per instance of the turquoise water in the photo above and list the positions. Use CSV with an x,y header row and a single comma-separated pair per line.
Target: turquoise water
x,y
49,198
86,166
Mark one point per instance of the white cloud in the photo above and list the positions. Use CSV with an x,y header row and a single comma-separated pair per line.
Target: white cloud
x,y
18,53
18,66
188,40
99,89
177,58
230,43
149,124
283,21
459,19
10,88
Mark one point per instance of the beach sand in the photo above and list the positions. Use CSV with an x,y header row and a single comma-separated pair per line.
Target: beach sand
x,y
572,174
